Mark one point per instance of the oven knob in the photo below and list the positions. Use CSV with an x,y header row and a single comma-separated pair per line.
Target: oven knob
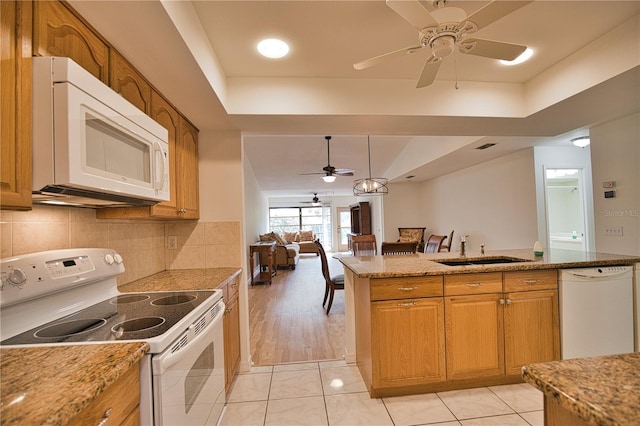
x,y
17,277
117,258
109,259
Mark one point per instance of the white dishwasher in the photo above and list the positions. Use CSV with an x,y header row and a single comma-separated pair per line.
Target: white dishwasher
x,y
596,311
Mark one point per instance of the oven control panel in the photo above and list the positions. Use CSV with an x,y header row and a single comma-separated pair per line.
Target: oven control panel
x,y
37,274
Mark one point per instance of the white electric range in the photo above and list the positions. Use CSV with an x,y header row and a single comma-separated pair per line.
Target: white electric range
x,y
70,297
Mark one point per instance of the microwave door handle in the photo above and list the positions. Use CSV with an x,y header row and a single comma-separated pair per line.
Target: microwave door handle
x,y
159,177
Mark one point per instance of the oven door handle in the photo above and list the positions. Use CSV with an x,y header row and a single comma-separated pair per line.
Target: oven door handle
x,y
165,360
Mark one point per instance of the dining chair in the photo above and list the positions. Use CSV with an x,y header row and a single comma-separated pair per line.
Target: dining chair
x,y
364,245
409,247
449,242
433,243
331,283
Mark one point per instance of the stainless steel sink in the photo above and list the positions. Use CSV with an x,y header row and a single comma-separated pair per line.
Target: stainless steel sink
x,y
481,261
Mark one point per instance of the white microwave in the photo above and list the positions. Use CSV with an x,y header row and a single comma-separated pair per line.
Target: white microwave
x,y
91,147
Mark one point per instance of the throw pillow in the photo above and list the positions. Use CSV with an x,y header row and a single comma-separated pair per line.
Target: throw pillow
x,y
278,239
266,237
306,235
290,237
410,235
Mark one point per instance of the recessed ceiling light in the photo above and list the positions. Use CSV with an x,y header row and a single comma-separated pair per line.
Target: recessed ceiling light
x,y
273,48
524,56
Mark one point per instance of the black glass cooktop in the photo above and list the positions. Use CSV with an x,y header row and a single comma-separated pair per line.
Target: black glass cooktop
x,y
129,316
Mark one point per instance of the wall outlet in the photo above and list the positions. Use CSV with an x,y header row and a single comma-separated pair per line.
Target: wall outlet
x,y
613,231
172,242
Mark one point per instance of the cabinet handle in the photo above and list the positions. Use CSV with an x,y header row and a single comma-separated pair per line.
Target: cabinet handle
x,y
105,417
502,301
473,284
530,281
228,310
407,288
407,304
508,301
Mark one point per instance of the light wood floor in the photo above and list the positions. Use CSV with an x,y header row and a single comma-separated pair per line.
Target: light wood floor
x,y
286,319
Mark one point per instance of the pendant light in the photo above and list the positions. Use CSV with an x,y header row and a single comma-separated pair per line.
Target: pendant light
x,y
370,185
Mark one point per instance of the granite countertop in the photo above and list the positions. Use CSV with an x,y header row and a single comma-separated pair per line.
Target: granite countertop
x,y
601,390
426,263
182,279
50,385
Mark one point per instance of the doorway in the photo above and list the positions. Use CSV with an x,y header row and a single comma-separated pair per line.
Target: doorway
x,y
344,228
566,209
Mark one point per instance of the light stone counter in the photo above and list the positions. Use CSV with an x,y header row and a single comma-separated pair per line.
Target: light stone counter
x,y
183,279
426,263
50,385
599,391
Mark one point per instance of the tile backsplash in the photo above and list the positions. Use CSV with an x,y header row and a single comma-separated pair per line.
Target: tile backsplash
x,y
142,244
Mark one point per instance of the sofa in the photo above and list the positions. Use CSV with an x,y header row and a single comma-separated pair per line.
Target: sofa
x,y
306,241
287,254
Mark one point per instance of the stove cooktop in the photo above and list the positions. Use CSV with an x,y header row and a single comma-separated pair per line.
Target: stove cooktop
x,y
127,316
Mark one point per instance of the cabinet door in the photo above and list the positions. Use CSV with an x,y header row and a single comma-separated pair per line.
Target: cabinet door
x,y
168,117
15,105
407,342
474,336
231,341
129,83
58,32
187,167
531,328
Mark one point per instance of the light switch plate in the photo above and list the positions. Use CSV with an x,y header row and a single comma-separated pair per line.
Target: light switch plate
x,y
172,242
613,231
609,184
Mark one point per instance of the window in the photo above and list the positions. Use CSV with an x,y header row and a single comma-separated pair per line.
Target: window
x,y
294,219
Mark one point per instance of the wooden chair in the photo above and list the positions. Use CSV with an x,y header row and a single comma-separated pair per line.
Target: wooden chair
x,y
410,234
409,247
433,243
449,243
364,245
331,283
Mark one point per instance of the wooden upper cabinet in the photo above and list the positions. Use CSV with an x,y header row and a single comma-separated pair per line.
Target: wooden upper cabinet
x,y
15,109
59,32
129,83
187,168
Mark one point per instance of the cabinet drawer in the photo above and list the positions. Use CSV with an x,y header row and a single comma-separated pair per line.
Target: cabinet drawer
x,y
531,280
120,399
405,288
490,282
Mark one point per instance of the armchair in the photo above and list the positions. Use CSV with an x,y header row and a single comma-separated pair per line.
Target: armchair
x,y
412,234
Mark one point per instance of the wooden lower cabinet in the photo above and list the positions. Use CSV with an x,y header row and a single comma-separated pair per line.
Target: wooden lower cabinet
x,y
119,404
474,336
407,342
426,334
531,328
231,324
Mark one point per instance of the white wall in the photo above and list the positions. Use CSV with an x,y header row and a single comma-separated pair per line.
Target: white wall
x,y
403,209
494,203
615,153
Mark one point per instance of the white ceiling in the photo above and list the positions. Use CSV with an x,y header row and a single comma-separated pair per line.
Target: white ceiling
x,y
202,55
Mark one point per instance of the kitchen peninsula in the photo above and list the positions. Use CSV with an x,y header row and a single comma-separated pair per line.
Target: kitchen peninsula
x,y
432,322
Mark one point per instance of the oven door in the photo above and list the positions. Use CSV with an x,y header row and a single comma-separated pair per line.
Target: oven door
x,y
188,377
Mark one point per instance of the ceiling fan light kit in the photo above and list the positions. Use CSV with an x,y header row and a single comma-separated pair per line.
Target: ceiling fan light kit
x,y
370,185
446,28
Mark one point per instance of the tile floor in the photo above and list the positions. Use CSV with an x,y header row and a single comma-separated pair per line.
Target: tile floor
x,y
333,393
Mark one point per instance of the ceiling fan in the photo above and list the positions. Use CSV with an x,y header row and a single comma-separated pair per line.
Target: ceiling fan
x,y
446,28
329,171
315,200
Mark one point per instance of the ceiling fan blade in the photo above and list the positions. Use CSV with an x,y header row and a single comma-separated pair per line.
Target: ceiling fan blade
x,y
492,49
315,173
429,71
367,63
345,173
494,11
413,12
